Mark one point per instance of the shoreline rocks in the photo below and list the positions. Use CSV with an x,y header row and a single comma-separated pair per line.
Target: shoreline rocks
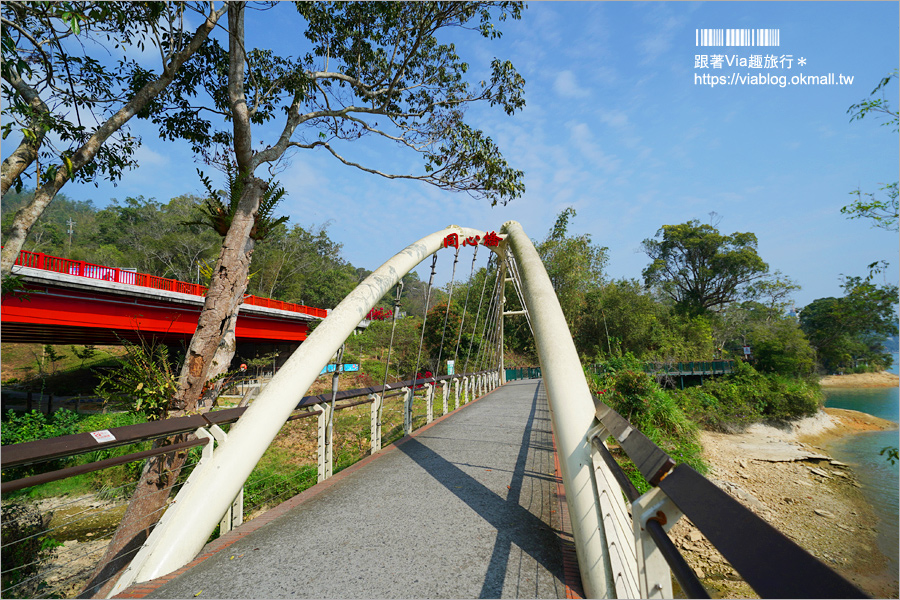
x,y
860,380
777,472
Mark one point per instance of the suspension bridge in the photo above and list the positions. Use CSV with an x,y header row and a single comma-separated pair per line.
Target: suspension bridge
x,y
497,487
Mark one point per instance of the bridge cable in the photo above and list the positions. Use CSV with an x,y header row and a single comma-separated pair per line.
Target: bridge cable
x,y
493,333
517,284
425,317
487,272
462,321
447,312
491,314
387,364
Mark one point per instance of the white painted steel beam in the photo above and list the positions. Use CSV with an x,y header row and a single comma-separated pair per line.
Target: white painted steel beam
x,y
191,519
571,410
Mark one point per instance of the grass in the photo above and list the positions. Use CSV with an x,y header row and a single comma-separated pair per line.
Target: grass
x,y
27,366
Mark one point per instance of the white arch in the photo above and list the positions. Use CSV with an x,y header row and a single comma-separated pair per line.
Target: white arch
x,y
209,492
212,487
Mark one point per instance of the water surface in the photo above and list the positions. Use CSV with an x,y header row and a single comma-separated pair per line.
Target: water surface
x,y
878,477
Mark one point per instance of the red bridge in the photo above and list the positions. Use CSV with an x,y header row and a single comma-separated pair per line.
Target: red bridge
x,y
73,302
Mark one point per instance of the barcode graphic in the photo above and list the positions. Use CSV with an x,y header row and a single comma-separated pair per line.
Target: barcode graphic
x,y
738,37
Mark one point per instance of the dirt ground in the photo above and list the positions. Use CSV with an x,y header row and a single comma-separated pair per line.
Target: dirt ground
x,y
785,477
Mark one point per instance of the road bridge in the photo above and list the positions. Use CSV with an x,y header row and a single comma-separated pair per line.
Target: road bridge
x,y
72,302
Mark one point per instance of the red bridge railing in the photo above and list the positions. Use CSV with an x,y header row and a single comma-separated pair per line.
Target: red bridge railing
x,y
80,268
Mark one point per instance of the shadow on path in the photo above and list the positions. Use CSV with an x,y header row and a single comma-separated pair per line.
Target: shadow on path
x,y
514,524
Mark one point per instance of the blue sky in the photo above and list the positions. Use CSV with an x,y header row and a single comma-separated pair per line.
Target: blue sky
x,y
618,127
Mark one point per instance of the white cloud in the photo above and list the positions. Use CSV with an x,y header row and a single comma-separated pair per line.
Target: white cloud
x,y
567,86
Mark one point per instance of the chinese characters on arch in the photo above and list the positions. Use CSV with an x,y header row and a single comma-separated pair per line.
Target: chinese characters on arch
x,y
490,239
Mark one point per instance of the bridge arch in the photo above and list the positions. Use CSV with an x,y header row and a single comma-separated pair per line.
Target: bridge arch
x,y
210,490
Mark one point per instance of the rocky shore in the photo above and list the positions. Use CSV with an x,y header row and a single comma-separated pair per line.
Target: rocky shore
x,y
861,380
783,475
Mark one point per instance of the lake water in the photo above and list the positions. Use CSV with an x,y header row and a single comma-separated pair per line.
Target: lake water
x,y
879,478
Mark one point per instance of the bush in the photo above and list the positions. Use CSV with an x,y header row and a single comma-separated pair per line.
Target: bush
x,y
653,411
747,396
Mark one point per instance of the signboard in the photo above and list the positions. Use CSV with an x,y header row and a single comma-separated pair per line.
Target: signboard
x,y
346,368
450,366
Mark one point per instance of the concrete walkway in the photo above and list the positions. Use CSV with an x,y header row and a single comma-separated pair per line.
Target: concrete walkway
x,y
464,508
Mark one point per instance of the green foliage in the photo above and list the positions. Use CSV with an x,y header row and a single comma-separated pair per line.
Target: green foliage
x,y
389,76
892,452
145,380
573,263
883,212
850,330
217,215
32,426
699,268
746,396
275,479
778,345
651,409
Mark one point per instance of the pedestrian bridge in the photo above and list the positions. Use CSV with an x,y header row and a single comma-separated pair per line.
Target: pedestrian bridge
x,y
467,507
490,500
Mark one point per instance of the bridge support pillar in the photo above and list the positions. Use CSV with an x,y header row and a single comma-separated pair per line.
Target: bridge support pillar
x,y
375,421
325,435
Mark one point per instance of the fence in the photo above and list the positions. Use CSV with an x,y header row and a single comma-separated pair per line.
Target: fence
x,y
32,567
523,373
80,268
641,556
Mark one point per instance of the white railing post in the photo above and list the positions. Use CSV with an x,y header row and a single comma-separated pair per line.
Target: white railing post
x,y
324,441
465,389
375,423
455,393
571,409
429,402
654,575
234,516
409,393
445,390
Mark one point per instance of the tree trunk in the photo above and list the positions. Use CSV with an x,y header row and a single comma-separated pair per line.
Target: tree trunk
x,y
208,355
27,152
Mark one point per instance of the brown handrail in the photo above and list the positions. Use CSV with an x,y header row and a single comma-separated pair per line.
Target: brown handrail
x,y
37,451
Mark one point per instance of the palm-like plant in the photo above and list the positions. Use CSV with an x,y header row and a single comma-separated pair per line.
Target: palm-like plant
x,y
217,215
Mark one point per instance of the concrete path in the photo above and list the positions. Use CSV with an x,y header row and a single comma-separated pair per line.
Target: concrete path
x,y
465,508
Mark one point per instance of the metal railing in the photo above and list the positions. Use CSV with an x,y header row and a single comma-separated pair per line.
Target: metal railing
x,y
515,373
80,268
419,401
773,565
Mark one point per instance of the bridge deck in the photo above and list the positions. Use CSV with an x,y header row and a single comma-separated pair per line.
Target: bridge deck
x,y
465,508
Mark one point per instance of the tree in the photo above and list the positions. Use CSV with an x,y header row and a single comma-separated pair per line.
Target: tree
x,y
89,151
376,69
850,329
699,268
882,212
573,263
